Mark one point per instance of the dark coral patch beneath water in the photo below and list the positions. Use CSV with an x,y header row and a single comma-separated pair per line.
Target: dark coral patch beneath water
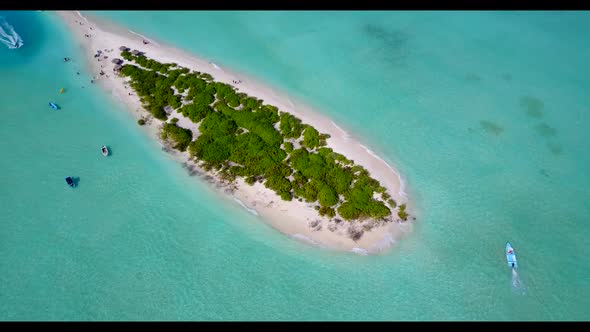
x,y
545,130
473,77
391,43
491,127
533,106
555,148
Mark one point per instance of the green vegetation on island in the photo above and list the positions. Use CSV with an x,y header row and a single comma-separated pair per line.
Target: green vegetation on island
x,y
240,136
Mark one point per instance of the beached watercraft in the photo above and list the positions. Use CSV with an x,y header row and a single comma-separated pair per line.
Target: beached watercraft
x,y
104,150
70,182
511,256
54,106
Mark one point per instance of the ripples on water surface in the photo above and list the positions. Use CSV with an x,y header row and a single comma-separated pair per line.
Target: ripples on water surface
x,y
486,119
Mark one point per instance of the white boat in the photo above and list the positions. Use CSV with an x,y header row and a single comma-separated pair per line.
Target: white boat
x,y
104,150
511,256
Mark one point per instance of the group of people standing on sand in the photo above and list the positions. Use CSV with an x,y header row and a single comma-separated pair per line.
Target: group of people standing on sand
x,y
237,82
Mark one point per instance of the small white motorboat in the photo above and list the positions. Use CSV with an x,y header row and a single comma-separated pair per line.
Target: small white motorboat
x,y
104,150
511,256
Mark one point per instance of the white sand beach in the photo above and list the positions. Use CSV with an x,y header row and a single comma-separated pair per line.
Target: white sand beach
x,y
293,218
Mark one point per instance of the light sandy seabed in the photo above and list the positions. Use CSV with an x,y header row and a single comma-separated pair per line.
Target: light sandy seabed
x,y
292,218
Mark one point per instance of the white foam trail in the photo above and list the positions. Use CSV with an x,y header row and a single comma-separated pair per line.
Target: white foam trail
x,y
517,284
359,251
8,35
402,185
245,207
384,243
304,238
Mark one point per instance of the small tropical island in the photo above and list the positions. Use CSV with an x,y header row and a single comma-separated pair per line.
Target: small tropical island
x,y
240,136
238,141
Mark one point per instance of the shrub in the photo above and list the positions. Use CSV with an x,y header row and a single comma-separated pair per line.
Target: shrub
x,y
248,139
181,136
250,180
141,122
403,215
327,211
327,196
290,126
402,212
278,184
311,138
286,195
348,211
288,147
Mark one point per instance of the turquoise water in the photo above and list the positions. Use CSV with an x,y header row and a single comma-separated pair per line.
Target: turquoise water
x,y
484,113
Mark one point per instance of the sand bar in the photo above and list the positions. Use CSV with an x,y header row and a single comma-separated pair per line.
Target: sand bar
x,y
296,219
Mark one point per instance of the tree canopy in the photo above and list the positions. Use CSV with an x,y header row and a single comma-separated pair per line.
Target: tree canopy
x,y
241,136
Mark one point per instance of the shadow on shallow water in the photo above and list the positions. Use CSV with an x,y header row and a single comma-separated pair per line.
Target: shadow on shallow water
x,y
392,43
491,127
544,130
472,77
533,106
555,148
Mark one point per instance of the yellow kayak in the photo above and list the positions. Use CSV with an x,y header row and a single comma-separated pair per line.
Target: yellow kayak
x,y
62,90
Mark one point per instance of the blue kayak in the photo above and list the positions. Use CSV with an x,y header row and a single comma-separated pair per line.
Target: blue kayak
x,y
54,106
511,256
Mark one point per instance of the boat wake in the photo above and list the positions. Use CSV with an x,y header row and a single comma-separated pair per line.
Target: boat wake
x,y
517,285
8,35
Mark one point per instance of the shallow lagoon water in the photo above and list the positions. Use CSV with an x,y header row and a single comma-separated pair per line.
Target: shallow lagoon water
x,y
484,114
